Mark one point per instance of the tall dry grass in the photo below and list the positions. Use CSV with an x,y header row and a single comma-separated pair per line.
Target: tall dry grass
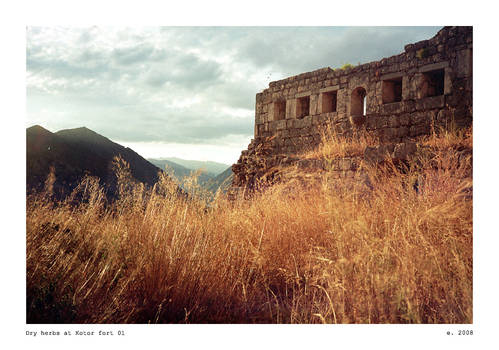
x,y
334,145
387,254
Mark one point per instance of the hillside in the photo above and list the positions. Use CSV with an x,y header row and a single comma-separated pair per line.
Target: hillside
x,y
209,180
211,168
179,172
222,181
74,153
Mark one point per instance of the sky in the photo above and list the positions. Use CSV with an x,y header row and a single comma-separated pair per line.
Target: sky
x,y
186,92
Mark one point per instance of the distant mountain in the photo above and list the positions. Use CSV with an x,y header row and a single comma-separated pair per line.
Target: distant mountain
x,y
222,181
209,180
178,171
76,152
212,168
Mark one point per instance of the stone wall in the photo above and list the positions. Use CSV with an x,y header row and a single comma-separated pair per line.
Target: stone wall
x,y
397,99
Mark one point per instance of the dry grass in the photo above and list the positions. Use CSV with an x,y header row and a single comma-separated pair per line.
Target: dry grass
x,y
450,138
388,255
335,145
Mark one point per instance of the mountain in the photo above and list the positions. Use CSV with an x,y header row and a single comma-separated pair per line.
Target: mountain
x,y
76,152
212,177
222,181
178,171
212,168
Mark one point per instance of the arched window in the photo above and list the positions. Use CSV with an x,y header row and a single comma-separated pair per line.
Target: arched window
x,y
358,102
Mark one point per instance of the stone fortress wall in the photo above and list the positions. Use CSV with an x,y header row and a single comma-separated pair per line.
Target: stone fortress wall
x,y
396,99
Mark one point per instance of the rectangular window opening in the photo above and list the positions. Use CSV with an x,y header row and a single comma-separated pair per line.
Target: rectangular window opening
x,y
302,107
329,101
280,110
392,90
433,83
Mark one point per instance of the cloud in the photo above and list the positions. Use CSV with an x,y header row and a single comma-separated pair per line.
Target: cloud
x,y
185,71
133,54
191,85
299,49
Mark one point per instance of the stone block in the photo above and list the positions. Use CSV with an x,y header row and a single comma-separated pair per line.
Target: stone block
x,y
307,121
376,154
294,132
448,81
419,104
390,134
314,104
445,115
434,66
316,119
258,118
280,124
279,141
381,122
418,130
402,131
409,106
405,119
403,151
419,118
462,112
393,121
371,123
434,102
291,108
391,108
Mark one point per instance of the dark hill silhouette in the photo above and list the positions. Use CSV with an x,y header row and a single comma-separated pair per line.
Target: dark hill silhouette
x,y
76,152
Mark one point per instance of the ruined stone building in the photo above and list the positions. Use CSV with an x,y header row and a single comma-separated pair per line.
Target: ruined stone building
x,y
396,99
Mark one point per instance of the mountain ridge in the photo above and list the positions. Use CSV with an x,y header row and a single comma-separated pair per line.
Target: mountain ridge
x,y
214,168
74,153
180,172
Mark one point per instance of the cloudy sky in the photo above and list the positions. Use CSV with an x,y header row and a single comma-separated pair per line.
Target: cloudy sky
x,y
187,92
